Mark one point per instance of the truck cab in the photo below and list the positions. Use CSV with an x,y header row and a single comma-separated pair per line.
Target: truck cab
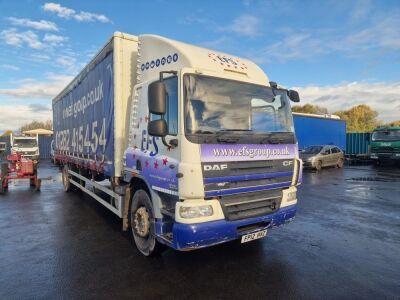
x,y
212,144
385,144
26,145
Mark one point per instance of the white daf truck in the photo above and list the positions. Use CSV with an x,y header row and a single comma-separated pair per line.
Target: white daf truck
x,y
198,146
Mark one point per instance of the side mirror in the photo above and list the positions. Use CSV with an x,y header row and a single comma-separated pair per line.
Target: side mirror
x,y
157,98
158,128
293,95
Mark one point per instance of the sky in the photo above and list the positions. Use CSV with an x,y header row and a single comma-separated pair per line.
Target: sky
x,y
337,54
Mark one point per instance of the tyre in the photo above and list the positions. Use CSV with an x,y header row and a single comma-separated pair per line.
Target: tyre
x,y
4,169
318,166
65,179
340,163
143,224
2,189
37,184
4,172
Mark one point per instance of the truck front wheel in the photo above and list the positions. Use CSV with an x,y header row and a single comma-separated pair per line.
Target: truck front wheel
x,y
143,224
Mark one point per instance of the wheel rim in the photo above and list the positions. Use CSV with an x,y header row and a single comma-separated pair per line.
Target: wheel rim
x,y
142,222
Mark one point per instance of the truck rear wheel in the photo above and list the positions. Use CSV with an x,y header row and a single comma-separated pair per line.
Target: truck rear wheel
x,y
2,189
143,224
65,179
4,173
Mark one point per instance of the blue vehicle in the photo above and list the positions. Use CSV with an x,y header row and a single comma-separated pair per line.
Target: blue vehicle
x,y
314,129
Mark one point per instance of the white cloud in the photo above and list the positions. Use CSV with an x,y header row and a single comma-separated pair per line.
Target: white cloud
x,y
69,13
244,25
68,62
17,38
26,114
382,97
39,57
295,46
10,67
29,38
62,12
38,25
54,40
30,89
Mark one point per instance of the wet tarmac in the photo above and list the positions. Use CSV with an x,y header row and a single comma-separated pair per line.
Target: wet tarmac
x,y
343,244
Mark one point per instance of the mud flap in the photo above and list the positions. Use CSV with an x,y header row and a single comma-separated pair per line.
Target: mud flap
x,y
125,213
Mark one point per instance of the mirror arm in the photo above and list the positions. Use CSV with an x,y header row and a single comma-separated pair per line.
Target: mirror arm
x,y
168,145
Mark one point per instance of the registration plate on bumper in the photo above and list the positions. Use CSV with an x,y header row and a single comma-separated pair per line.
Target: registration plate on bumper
x,y
254,236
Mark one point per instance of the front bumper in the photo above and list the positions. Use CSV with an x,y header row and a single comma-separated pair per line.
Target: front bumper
x,y
308,164
385,156
194,236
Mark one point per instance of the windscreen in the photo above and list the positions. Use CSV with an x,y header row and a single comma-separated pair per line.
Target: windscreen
x,y
312,150
29,143
213,105
389,135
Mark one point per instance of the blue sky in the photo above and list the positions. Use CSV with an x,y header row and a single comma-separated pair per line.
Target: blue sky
x,y
336,53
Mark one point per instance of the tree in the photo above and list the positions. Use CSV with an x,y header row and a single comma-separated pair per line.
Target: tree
x,y
310,109
393,124
36,125
360,118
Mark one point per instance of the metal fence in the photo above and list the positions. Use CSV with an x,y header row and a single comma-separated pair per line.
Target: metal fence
x,y
44,145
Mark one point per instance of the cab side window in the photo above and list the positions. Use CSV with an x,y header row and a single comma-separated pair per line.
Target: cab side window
x,y
335,150
326,150
171,116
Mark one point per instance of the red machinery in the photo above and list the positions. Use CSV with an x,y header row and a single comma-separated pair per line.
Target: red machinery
x,y
18,167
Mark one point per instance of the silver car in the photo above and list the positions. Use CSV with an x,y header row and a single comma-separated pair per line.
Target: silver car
x,y
317,157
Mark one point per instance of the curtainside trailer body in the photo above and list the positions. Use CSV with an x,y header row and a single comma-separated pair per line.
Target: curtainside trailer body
x,y
90,114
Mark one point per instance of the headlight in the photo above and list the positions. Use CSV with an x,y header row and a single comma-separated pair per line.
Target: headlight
x,y
190,212
291,196
309,159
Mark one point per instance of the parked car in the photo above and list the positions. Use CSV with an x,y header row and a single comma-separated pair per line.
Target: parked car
x,y
321,156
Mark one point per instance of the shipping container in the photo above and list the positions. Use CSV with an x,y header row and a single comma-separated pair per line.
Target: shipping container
x,y
358,144
319,130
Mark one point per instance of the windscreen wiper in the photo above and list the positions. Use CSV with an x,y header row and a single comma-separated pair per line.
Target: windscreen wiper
x,y
221,137
275,138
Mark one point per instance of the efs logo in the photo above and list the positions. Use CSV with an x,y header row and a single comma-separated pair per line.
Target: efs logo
x,y
287,163
215,167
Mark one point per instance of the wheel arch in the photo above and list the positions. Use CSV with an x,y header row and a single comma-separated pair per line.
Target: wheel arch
x,y
138,182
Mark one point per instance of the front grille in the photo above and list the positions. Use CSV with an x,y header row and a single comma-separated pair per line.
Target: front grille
x,y
382,149
227,178
255,204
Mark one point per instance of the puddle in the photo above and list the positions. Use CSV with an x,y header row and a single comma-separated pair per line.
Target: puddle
x,y
380,179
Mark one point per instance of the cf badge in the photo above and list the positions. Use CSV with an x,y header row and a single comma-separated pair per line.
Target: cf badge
x,y
287,163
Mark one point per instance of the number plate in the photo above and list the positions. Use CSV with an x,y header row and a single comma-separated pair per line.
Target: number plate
x,y
254,236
